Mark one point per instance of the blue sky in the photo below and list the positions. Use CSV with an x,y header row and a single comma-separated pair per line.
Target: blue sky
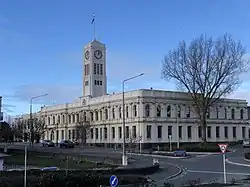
x,y
41,42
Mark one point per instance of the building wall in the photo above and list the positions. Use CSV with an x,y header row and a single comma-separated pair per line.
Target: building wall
x,y
164,107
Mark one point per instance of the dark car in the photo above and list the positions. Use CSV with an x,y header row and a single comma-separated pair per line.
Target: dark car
x,y
180,153
66,144
47,143
76,142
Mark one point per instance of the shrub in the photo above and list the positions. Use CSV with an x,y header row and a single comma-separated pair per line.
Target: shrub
x,y
74,178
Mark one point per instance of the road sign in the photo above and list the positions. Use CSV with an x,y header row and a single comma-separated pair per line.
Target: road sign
x,y
113,180
223,147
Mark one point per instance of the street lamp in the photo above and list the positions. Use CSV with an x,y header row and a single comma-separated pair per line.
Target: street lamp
x,y
124,157
31,122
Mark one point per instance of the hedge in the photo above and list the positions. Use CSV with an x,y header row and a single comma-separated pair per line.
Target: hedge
x,y
76,178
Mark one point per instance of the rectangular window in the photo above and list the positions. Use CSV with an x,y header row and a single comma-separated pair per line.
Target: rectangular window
x,y
226,132
199,131
86,83
209,132
57,134
127,131
234,132
69,135
120,132
85,70
149,128
105,133
243,132
100,133
169,130
92,133
217,132
159,131
134,132
96,133
100,82
189,131
95,68
62,134
180,132
101,69
113,132
95,82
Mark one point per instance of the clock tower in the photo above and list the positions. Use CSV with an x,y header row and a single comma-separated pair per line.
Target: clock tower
x,y
94,75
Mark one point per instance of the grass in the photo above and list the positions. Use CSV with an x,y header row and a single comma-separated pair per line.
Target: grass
x,y
38,159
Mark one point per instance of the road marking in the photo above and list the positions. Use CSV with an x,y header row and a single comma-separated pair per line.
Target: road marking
x,y
236,163
216,172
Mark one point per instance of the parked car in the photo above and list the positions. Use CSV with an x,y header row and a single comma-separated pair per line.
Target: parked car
x,y
180,153
47,143
76,142
246,144
66,144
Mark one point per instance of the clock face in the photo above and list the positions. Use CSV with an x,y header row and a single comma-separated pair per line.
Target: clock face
x,y
98,54
87,55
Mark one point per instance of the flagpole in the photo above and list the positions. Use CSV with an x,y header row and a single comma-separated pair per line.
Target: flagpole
x,y
93,22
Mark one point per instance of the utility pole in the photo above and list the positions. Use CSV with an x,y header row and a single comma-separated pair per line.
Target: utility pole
x,y
1,116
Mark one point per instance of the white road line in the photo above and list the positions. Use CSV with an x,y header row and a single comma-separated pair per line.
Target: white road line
x,y
216,172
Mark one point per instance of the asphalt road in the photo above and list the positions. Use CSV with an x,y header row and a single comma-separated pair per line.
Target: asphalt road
x,y
206,168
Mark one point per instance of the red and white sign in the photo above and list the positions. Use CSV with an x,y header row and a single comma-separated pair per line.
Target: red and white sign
x,y
223,147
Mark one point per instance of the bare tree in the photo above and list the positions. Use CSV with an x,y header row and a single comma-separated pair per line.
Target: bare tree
x,y
39,129
83,128
207,69
132,140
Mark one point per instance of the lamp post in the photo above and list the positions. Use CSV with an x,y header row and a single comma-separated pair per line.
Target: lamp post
x,y
31,122
124,157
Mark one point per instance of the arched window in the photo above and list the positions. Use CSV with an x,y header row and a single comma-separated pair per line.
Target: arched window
x,y
106,114
135,111
120,112
225,113
127,113
113,113
73,118
100,114
77,118
147,110
48,120
63,118
91,116
58,119
158,111
233,113
96,116
84,116
241,114
217,112
208,113
179,111
69,118
54,120
169,111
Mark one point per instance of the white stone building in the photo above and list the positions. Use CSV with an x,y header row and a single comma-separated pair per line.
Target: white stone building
x,y
150,115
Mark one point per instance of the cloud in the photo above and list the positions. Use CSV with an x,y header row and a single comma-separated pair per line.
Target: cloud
x,y
56,93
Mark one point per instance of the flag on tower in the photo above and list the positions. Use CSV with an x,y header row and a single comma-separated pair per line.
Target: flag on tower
x,y
93,20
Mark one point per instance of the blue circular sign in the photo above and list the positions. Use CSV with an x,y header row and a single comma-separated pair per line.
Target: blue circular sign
x,y
113,180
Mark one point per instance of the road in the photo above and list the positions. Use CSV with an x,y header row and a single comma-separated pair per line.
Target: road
x,y
207,168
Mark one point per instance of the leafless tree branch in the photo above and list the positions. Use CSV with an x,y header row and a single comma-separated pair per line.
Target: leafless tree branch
x,y
207,69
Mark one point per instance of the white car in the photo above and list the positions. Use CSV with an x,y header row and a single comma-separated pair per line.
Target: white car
x,y
246,143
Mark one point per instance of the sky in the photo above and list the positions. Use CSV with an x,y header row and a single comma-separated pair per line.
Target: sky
x,y
41,43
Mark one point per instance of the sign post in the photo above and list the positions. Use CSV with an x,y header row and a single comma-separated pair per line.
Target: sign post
x,y
223,148
113,181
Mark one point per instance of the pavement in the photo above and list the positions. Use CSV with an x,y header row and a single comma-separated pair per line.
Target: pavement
x,y
207,168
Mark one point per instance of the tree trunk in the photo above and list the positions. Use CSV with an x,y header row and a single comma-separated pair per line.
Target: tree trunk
x,y
204,128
